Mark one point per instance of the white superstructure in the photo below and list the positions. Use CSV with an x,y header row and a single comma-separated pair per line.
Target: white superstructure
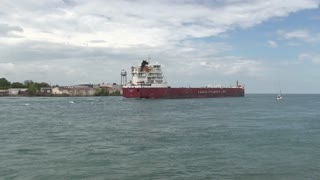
x,y
147,75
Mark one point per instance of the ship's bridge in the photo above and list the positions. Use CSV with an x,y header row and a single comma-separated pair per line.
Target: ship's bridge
x,y
147,75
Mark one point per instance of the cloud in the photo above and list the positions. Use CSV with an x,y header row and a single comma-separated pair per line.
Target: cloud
x,y
6,68
53,72
234,65
300,35
77,41
130,23
7,30
314,58
272,44
65,64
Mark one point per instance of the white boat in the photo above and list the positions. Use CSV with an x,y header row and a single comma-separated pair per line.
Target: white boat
x,y
279,97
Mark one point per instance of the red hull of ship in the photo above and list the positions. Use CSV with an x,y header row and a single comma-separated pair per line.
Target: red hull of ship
x,y
176,93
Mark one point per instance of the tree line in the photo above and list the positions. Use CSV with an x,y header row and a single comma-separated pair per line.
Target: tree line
x,y
33,87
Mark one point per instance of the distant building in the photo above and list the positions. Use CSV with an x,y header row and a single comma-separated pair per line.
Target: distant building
x,y
56,91
46,90
88,85
4,93
74,91
111,87
17,91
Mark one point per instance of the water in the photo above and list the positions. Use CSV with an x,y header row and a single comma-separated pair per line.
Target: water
x,y
255,137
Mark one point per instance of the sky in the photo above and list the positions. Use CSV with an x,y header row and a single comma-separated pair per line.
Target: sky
x,y
266,45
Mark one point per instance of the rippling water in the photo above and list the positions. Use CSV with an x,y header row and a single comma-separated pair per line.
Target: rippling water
x,y
255,137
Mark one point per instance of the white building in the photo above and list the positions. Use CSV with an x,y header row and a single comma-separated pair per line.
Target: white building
x,y
74,91
17,91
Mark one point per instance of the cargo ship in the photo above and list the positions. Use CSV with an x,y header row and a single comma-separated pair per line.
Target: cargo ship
x,y
148,82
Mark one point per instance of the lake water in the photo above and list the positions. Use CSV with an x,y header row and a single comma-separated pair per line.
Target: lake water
x,y
255,137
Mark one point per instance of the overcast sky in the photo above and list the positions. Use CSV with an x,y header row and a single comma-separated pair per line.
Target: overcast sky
x,y
266,45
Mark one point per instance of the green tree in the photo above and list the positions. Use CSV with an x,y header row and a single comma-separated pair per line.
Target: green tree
x,y
27,82
32,89
17,85
102,92
43,84
115,93
31,86
4,83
